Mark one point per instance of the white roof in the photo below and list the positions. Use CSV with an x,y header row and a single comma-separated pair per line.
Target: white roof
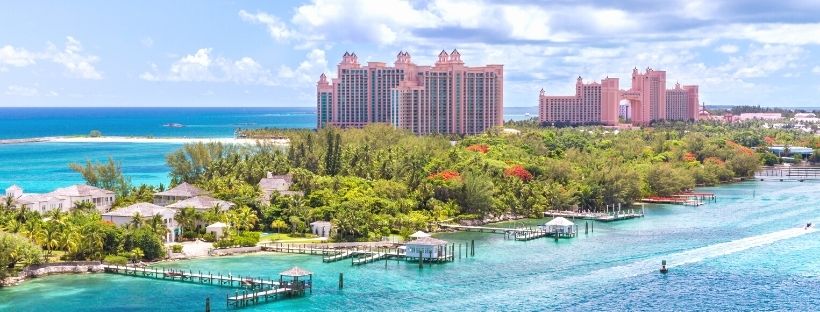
x,y
14,187
561,221
182,190
427,241
146,210
320,223
81,190
202,202
419,234
218,225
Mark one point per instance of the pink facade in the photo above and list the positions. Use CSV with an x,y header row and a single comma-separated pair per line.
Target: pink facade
x,y
596,103
445,98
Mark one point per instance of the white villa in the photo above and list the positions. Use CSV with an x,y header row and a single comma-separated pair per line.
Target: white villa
x,y
276,183
178,193
426,248
147,211
218,229
62,198
321,228
202,203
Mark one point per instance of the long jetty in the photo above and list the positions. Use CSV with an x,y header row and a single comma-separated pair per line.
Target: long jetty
x,y
360,255
790,173
519,234
254,290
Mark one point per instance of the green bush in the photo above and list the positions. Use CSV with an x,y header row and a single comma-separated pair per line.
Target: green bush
x,y
95,133
247,239
209,237
14,250
146,240
176,248
116,260
224,243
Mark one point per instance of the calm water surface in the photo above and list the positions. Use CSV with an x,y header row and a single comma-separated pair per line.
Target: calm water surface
x,y
742,253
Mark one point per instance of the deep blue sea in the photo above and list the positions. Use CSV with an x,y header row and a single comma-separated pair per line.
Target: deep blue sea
x,y
42,167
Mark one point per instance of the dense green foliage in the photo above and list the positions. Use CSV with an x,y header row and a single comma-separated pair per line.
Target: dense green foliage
x,y
16,251
377,181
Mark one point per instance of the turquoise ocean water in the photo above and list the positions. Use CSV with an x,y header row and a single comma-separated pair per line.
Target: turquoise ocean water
x,y
42,167
746,252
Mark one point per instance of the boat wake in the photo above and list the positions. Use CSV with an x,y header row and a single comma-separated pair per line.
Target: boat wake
x,y
647,266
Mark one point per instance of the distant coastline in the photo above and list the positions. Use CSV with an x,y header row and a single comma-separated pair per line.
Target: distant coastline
x,y
138,139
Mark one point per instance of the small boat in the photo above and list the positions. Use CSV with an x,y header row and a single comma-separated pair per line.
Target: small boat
x,y
174,125
664,270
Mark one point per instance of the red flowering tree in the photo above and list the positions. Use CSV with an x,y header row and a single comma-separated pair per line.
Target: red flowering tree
x,y
714,161
446,175
689,156
479,148
518,171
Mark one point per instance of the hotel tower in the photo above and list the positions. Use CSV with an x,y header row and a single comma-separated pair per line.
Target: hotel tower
x,y
598,103
447,97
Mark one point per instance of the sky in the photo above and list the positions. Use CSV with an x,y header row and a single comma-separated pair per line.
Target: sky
x,y
270,53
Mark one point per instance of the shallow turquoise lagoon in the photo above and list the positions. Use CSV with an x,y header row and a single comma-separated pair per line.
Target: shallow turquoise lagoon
x,y
745,252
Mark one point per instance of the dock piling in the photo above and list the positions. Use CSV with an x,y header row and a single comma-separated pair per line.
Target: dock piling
x,y
586,227
341,280
207,304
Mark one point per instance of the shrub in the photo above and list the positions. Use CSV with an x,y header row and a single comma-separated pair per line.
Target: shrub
x,y
176,248
224,243
209,237
115,260
95,133
518,171
479,148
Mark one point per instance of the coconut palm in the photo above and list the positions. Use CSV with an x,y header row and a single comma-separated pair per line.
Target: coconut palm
x,y
157,224
137,220
187,217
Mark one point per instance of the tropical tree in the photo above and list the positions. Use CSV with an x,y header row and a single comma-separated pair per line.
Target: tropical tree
x,y
187,218
278,224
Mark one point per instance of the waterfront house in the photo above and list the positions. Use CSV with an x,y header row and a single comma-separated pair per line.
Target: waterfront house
x,y
218,229
101,198
426,248
276,183
180,192
62,198
202,203
321,228
146,211
561,226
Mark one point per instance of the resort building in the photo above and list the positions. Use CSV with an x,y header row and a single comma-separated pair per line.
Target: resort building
x,y
218,229
180,192
599,103
146,211
321,228
593,103
447,97
201,203
62,199
276,183
758,116
562,227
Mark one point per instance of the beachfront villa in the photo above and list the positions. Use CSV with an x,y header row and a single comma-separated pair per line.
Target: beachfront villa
x,y
218,229
180,192
202,203
146,211
62,198
276,183
426,248
321,228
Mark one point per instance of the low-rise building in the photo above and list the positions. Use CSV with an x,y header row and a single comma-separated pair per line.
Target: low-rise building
x,y
202,203
218,229
180,192
62,199
426,248
146,211
321,228
276,183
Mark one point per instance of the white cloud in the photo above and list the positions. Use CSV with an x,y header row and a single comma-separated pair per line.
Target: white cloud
x,y
15,90
775,33
308,70
728,49
816,70
276,28
10,55
147,42
201,66
77,63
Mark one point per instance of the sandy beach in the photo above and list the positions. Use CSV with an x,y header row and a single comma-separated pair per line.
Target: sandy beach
x,y
116,139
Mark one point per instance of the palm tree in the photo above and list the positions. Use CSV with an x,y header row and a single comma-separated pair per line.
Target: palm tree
x,y
246,218
157,224
278,224
213,214
137,220
187,217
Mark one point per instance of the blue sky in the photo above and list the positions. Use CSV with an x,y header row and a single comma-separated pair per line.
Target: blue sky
x,y
270,53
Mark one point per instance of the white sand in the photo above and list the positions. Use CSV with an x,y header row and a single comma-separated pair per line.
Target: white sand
x,y
115,139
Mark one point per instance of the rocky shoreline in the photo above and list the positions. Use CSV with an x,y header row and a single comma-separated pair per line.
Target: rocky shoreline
x,y
34,271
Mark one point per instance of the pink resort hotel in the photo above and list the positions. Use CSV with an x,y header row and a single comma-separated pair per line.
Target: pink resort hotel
x,y
598,103
447,97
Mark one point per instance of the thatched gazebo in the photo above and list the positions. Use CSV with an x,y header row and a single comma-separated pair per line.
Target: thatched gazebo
x,y
296,286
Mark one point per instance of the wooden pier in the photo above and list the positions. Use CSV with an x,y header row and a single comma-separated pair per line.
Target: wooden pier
x,y
254,290
596,216
519,234
790,173
358,255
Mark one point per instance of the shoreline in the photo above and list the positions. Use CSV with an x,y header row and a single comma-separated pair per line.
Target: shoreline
x,y
139,140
